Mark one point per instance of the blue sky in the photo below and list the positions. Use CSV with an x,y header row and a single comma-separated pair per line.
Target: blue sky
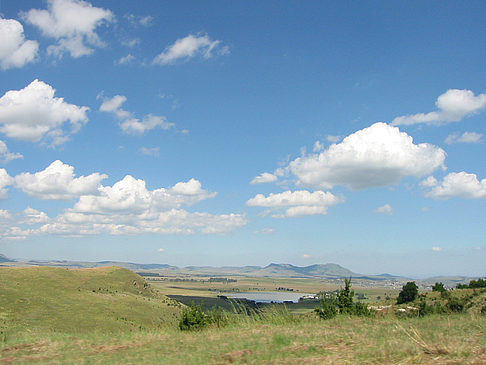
x,y
243,133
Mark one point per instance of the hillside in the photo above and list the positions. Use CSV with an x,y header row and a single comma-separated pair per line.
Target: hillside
x,y
78,300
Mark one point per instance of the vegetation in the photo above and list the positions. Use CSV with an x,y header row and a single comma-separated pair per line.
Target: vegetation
x,y
408,293
439,287
342,303
47,328
473,284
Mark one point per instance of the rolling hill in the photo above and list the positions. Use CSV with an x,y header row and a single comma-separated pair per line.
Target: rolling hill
x,y
79,300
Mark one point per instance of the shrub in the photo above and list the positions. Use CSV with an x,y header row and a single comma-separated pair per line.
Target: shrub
x,y
342,303
455,304
408,293
439,287
328,308
193,318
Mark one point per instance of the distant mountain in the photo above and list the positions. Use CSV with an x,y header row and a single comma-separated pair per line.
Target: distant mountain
x,y
4,258
87,264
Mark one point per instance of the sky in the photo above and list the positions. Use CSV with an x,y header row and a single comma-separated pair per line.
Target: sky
x,y
244,133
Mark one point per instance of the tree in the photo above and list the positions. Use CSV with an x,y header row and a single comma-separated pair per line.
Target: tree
x,y
408,294
439,287
345,297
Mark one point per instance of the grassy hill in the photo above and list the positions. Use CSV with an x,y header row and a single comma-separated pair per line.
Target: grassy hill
x,y
79,300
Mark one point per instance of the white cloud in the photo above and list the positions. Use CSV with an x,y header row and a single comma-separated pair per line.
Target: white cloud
x,y
318,146
33,113
333,139
264,178
113,105
265,231
5,180
154,151
436,249
128,207
455,184
379,155
6,155
189,47
58,182
137,126
131,195
132,125
8,229
160,250
131,42
125,60
33,216
306,256
144,20
297,203
15,51
385,209
453,106
72,23
466,137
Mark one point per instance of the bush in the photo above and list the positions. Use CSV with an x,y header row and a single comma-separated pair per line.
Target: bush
x,y
408,293
328,308
193,318
455,304
439,287
343,303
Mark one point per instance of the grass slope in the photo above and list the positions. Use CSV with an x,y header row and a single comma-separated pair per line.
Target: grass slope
x,y
79,300
455,339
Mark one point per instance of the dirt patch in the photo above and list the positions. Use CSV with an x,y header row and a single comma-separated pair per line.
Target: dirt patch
x,y
25,346
111,348
236,355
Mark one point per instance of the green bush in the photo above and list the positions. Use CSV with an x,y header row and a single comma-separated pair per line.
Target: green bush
x,y
439,287
455,304
408,293
342,303
193,318
328,308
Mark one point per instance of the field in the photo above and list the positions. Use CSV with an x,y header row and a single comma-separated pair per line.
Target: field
x,y
109,316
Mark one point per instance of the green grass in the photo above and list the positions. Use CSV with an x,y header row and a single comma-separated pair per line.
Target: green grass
x,y
108,316
456,339
73,301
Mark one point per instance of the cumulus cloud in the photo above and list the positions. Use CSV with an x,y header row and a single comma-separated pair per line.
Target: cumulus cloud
x,y
297,203
33,114
264,178
455,184
6,155
385,209
72,23
5,180
131,195
33,216
15,51
129,124
58,182
452,106
436,249
128,207
379,155
466,137
188,47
